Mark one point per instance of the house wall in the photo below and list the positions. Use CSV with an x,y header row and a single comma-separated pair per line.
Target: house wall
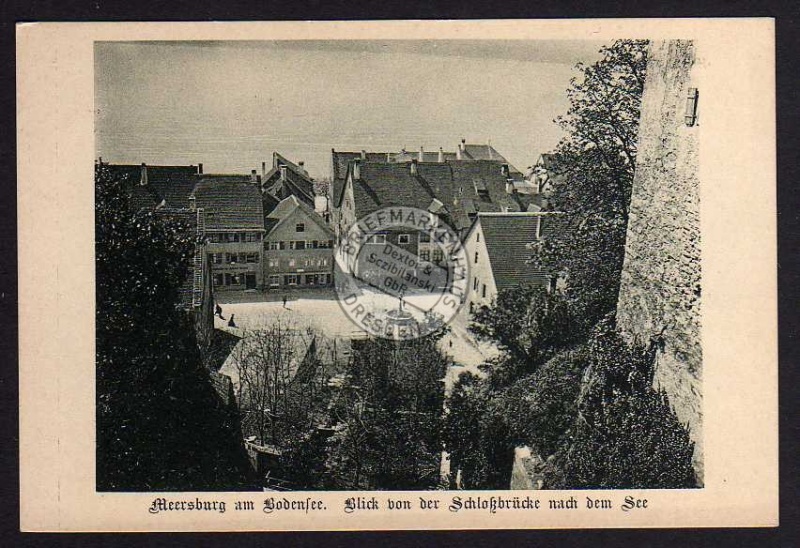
x,y
305,263
256,269
661,277
480,272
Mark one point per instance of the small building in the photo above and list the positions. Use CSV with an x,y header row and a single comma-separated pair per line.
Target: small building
x,y
234,228
298,247
499,254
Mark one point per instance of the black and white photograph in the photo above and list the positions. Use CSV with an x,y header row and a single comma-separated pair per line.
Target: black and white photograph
x,y
398,265
397,275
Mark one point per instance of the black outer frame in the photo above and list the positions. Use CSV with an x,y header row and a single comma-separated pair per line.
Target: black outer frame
x,y
787,14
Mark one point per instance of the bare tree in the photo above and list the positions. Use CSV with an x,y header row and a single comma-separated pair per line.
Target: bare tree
x,y
279,373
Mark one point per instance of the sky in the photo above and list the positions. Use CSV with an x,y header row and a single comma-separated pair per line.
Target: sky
x,y
229,105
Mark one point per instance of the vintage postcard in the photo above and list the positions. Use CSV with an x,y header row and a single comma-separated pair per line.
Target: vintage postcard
x,y
397,275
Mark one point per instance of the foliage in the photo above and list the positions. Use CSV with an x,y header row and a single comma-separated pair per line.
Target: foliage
x,y
541,407
625,435
529,324
476,436
388,417
159,423
592,174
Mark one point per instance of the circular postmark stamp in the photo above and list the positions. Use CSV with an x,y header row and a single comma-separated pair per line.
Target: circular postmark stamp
x,y
400,273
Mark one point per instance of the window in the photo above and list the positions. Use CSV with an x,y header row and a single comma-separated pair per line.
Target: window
x,y
475,284
291,262
377,239
274,263
300,227
230,258
274,281
424,237
284,245
476,257
241,258
218,280
214,237
253,237
438,255
238,279
227,279
309,262
274,246
477,236
252,257
299,244
403,239
483,292
425,255
290,279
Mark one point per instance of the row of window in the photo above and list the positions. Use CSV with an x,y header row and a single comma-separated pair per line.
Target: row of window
x,y
308,262
234,279
402,239
299,280
300,244
233,258
233,237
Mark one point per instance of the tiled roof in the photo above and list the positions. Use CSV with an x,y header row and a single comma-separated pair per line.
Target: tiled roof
x,y
295,184
507,237
471,176
340,160
454,183
229,205
485,152
170,184
389,184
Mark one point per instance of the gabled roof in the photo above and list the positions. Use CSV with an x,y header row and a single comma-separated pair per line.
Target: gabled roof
x,y
294,184
286,208
229,205
507,237
340,161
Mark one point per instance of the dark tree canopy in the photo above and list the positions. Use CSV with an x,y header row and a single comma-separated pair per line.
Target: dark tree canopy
x,y
159,423
592,176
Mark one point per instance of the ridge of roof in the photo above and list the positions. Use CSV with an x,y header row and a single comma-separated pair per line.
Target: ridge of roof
x,y
287,207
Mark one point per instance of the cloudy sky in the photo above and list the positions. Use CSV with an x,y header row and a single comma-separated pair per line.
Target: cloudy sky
x,y
230,104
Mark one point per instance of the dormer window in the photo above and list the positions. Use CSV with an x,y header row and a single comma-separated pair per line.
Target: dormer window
x,y
300,227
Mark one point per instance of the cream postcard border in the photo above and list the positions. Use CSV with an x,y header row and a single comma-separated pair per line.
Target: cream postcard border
x,y
55,115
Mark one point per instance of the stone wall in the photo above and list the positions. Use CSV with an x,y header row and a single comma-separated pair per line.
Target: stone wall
x,y
660,292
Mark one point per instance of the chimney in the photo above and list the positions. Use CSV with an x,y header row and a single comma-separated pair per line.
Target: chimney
x,y
263,171
253,176
414,169
421,156
441,155
200,168
504,170
460,149
356,170
463,145
143,177
363,155
283,172
510,189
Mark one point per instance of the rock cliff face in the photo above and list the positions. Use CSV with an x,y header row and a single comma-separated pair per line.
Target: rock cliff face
x,y
661,279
